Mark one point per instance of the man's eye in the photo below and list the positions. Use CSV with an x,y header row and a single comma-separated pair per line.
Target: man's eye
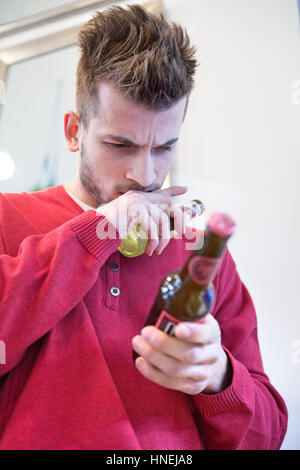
x,y
164,149
118,146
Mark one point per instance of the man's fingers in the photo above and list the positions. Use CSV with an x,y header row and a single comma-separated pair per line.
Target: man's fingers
x,y
177,213
150,228
150,372
174,352
164,232
170,366
207,331
164,343
166,195
125,211
185,362
175,190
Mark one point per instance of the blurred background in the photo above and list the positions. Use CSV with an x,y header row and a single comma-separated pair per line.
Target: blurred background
x,y
239,147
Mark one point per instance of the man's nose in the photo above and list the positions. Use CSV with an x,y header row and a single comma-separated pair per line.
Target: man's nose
x,y
142,170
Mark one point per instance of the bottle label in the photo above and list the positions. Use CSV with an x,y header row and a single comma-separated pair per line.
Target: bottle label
x,y
167,323
202,269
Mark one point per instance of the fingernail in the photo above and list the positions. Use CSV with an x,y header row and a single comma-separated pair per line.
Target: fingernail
x,y
147,334
148,252
135,341
140,363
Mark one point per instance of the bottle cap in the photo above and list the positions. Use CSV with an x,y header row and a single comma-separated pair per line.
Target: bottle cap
x,y
221,224
197,207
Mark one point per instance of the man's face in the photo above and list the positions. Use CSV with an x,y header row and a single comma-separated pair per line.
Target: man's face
x,y
127,147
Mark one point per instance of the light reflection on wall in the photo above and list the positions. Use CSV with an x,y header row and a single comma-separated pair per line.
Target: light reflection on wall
x,y
7,166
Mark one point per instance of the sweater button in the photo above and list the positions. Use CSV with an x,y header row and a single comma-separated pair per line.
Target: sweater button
x,y
114,266
115,291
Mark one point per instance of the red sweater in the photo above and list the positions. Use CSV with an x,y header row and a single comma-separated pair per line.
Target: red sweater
x,y
69,381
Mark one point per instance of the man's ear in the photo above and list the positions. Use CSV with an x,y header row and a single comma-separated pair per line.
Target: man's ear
x,y
72,126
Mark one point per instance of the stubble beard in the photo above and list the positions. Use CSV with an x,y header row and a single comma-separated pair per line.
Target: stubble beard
x,y
88,180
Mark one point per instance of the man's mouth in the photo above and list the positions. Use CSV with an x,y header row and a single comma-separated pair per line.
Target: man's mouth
x,y
120,193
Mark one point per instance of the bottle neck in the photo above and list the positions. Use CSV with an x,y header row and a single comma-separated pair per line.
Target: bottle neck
x,y
193,209
202,264
213,245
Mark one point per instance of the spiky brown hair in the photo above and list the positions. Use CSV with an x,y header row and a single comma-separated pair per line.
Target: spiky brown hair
x,y
147,58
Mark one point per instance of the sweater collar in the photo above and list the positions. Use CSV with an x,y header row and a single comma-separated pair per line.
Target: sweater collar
x,y
84,206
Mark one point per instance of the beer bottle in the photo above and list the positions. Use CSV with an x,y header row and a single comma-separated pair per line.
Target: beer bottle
x,y
135,242
188,294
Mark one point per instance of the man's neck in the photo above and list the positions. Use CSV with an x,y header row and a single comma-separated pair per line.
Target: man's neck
x,y
75,188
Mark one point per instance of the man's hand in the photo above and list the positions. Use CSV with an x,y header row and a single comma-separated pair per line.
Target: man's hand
x,y
149,211
192,362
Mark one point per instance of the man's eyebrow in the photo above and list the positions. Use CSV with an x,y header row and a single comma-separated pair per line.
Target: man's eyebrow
x,y
125,141
170,142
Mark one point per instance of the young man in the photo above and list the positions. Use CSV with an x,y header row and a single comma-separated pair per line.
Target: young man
x,y
72,306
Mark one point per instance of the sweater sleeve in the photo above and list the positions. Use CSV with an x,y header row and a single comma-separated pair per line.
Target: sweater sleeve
x,y
249,414
49,276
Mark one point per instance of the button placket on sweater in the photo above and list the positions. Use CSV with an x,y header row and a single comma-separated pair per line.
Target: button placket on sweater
x,y
113,282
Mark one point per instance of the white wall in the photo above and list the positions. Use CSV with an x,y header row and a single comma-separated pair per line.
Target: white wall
x,y
11,10
239,152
